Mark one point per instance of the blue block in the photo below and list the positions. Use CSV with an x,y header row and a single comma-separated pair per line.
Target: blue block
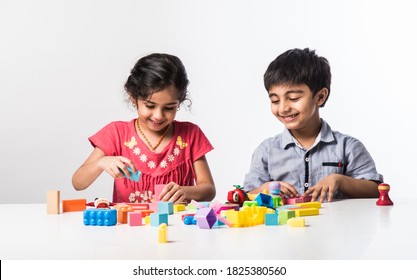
x,y
165,207
271,219
100,217
158,218
265,200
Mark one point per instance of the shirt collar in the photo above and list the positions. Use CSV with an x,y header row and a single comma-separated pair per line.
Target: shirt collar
x,y
325,135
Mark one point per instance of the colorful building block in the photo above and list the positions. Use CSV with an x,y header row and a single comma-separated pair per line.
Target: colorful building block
x,y
296,222
271,219
157,191
189,220
179,208
135,219
165,207
284,215
249,203
100,217
52,202
294,200
74,205
122,211
300,212
265,200
311,204
205,218
158,218
162,233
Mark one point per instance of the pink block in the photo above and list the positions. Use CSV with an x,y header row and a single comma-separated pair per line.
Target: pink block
x,y
295,200
135,219
157,191
153,206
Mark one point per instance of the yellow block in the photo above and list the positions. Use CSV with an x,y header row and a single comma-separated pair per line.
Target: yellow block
x,y
162,233
314,204
179,207
296,222
306,212
147,220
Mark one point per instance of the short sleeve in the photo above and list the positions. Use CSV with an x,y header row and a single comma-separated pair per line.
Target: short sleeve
x,y
106,139
258,171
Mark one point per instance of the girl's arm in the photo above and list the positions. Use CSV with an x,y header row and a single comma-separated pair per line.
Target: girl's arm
x,y
88,172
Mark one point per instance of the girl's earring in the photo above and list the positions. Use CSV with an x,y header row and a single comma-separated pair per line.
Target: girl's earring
x,y
133,104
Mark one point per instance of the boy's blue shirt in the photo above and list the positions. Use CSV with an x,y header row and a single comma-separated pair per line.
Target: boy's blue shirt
x,y
281,158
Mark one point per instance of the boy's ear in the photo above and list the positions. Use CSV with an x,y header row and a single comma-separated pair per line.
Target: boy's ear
x,y
322,96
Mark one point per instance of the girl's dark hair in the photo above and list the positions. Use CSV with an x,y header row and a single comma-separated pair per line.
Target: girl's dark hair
x,y
156,72
296,67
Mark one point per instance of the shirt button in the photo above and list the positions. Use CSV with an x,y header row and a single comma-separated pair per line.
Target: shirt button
x,y
306,185
307,159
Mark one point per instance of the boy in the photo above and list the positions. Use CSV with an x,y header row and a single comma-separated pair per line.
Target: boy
x,y
308,158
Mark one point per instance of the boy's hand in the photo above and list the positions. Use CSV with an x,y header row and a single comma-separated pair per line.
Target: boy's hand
x,y
288,190
172,192
326,186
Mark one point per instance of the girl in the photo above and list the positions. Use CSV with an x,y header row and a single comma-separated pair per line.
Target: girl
x,y
165,151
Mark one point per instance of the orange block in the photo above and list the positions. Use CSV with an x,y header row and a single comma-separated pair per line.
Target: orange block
x,y
122,213
74,205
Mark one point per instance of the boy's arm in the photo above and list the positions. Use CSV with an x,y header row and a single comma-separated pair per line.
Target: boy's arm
x,y
351,187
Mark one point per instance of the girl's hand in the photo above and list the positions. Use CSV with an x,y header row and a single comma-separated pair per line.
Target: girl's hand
x,y
173,192
116,166
288,190
326,186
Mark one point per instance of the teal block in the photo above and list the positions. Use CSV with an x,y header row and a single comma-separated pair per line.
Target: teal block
x,y
158,218
271,219
165,207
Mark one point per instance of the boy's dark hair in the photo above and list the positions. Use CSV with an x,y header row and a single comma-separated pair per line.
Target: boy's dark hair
x,y
296,67
156,72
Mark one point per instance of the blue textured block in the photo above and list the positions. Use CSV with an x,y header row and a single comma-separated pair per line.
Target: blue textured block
x,y
100,217
271,219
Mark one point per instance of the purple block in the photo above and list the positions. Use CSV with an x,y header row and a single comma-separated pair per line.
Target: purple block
x,y
205,218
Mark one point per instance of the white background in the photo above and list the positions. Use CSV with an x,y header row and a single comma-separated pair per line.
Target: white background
x,y
63,65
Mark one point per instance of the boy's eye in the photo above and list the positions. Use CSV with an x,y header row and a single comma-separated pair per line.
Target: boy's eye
x,y
275,101
295,99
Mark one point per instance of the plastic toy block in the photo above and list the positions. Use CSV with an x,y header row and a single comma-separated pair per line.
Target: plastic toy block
x,y
296,222
254,215
74,205
274,188
154,206
145,213
277,201
189,220
165,207
314,204
147,220
158,218
284,215
135,219
162,233
139,206
218,207
384,199
100,217
157,191
52,202
287,206
271,219
205,218
183,216
134,176
237,218
300,212
265,200
294,200
250,203
122,213
179,208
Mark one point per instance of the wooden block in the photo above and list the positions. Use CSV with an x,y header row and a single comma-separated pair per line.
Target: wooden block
x,y
74,205
52,202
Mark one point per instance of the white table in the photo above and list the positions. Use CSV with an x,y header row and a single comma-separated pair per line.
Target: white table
x,y
346,230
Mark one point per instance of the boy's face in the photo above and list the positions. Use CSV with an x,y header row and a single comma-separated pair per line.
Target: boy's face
x,y
295,106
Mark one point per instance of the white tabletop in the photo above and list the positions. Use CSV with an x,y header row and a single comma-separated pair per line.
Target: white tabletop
x,y
348,230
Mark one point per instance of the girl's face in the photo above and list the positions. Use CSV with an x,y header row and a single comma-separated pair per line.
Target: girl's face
x,y
296,107
159,110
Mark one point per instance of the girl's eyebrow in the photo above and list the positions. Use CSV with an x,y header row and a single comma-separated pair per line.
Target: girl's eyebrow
x,y
168,104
